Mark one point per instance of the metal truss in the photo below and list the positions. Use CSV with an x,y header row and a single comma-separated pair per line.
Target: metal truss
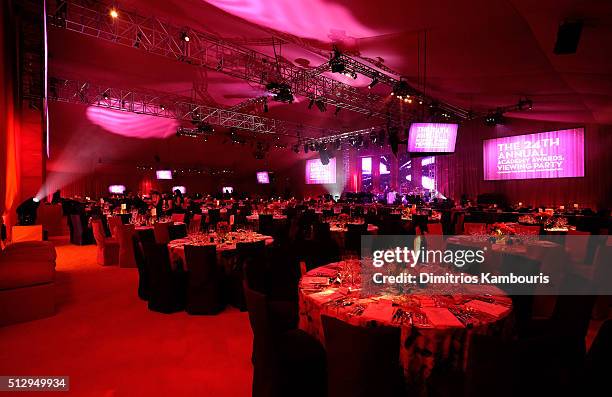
x,y
203,49
361,68
172,106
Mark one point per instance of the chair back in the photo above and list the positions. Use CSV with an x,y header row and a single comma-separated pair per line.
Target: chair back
x,y
166,289
527,230
214,215
321,232
178,217
577,247
362,361
114,222
203,280
474,228
124,234
143,280
266,224
435,229
98,232
162,233
195,224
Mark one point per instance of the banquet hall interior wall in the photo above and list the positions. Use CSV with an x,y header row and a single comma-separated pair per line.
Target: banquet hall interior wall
x,y
457,174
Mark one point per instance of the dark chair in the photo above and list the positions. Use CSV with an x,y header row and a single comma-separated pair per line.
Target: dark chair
x,y
143,278
214,216
522,294
253,255
166,287
176,231
328,212
598,363
204,280
362,362
286,362
352,238
266,224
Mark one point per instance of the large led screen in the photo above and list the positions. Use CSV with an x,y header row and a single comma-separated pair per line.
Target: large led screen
x,y
318,173
432,138
163,174
553,154
263,177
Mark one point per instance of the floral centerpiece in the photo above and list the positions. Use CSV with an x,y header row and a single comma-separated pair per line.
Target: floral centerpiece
x,y
500,233
223,229
527,219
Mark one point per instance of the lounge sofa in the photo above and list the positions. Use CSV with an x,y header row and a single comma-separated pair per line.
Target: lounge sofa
x,y
27,281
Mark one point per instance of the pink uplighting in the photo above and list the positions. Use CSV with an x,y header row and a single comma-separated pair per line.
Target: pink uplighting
x,y
316,19
132,125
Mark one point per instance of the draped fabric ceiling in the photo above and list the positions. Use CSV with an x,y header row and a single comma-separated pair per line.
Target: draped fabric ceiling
x,y
481,54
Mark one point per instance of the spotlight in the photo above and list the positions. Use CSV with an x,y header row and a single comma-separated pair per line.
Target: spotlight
x,y
324,156
494,118
26,212
296,148
401,89
305,148
162,107
381,137
337,110
265,106
336,64
312,101
282,92
337,144
105,95
113,13
525,104
394,140
185,36
373,83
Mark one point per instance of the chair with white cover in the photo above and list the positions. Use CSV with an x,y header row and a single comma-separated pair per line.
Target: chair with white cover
x,y
108,248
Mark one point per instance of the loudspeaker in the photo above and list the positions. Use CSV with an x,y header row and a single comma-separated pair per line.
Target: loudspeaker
x,y
568,37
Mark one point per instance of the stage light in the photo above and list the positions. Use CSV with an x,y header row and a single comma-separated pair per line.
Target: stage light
x,y
525,104
373,83
311,103
321,105
113,13
494,118
26,211
105,95
185,36
265,106
337,110
337,144
305,148
296,148
162,107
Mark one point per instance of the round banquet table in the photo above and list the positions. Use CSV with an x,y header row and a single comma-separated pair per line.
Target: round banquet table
x,y
338,233
552,258
431,335
254,219
225,249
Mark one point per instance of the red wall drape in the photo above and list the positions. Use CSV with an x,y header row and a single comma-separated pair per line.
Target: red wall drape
x,y
462,172
9,123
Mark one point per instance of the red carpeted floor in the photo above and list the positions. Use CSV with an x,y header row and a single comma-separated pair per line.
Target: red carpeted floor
x,y
106,340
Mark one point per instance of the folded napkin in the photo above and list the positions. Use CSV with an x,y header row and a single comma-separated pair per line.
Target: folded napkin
x,y
325,271
487,308
326,295
382,312
441,317
309,280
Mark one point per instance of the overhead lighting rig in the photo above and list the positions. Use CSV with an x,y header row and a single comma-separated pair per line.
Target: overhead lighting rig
x,y
496,117
282,92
